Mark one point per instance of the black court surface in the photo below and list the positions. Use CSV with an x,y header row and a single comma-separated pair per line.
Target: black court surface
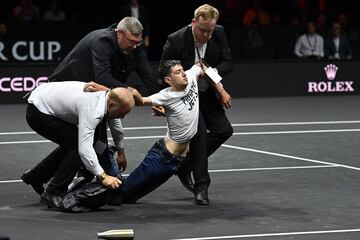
x,y
290,171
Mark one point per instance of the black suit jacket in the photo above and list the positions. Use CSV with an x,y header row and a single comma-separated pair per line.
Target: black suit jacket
x,y
180,46
344,47
97,57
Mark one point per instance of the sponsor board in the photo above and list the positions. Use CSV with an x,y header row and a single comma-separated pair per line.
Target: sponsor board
x,y
331,85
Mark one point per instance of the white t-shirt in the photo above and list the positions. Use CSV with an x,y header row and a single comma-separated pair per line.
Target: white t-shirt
x,y
182,108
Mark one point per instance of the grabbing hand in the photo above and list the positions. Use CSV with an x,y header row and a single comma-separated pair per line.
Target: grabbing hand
x,y
111,182
121,160
224,98
94,87
158,111
137,96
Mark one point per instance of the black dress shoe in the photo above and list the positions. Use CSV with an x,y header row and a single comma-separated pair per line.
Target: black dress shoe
x,y
51,201
201,198
30,179
185,178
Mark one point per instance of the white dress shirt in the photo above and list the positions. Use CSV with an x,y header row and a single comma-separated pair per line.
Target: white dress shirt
x,y
67,101
336,41
309,45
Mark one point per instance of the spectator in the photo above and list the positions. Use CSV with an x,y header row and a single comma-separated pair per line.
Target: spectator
x,y
321,24
3,30
26,11
134,9
337,45
258,14
54,12
343,20
310,45
254,36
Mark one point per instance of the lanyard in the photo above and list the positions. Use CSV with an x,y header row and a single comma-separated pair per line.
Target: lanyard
x,y
312,47
198,54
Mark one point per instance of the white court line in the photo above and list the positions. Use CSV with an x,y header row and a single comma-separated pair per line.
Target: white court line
x,y
294,123
48,141
127,128
271,234
234,134
230,170
25,142
289,156
297,132
234,125
271,168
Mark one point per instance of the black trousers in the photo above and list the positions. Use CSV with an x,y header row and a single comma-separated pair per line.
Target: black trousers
x,y
62,164
214,129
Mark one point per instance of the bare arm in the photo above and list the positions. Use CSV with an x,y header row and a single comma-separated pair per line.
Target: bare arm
x,y
121,159
137,96
223,96
157,110
147,101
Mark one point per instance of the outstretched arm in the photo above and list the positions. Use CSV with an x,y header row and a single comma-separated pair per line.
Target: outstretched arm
x,y
147,101
94,87
137,96
158,110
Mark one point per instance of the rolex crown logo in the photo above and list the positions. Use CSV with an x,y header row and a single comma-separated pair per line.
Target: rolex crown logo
x,y
330,71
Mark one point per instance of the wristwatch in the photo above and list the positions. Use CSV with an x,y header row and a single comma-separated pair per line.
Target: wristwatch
x,y
101,177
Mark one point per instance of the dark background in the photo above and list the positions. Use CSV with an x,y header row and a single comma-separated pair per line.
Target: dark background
x,y
277,39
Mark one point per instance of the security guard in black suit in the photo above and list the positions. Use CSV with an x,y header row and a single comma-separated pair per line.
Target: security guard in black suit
x,y
204,40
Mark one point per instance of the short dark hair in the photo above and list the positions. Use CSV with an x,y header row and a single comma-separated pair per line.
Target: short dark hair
x,y
165,67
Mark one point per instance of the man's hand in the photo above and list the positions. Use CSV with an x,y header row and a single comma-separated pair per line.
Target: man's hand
x,y
158,111
203,69
94,87
223,97
137,96
121,160
111,182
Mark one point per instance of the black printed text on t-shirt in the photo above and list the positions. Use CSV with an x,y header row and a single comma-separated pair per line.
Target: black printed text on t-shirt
x,y
191,96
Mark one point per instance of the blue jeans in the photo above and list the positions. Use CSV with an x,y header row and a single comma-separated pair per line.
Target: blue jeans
x,y
109,163
156,168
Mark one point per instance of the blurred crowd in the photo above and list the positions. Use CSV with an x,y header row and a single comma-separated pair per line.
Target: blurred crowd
x,y
309,29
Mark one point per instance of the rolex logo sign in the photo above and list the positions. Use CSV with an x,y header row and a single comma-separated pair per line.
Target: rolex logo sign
x,y
331,86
